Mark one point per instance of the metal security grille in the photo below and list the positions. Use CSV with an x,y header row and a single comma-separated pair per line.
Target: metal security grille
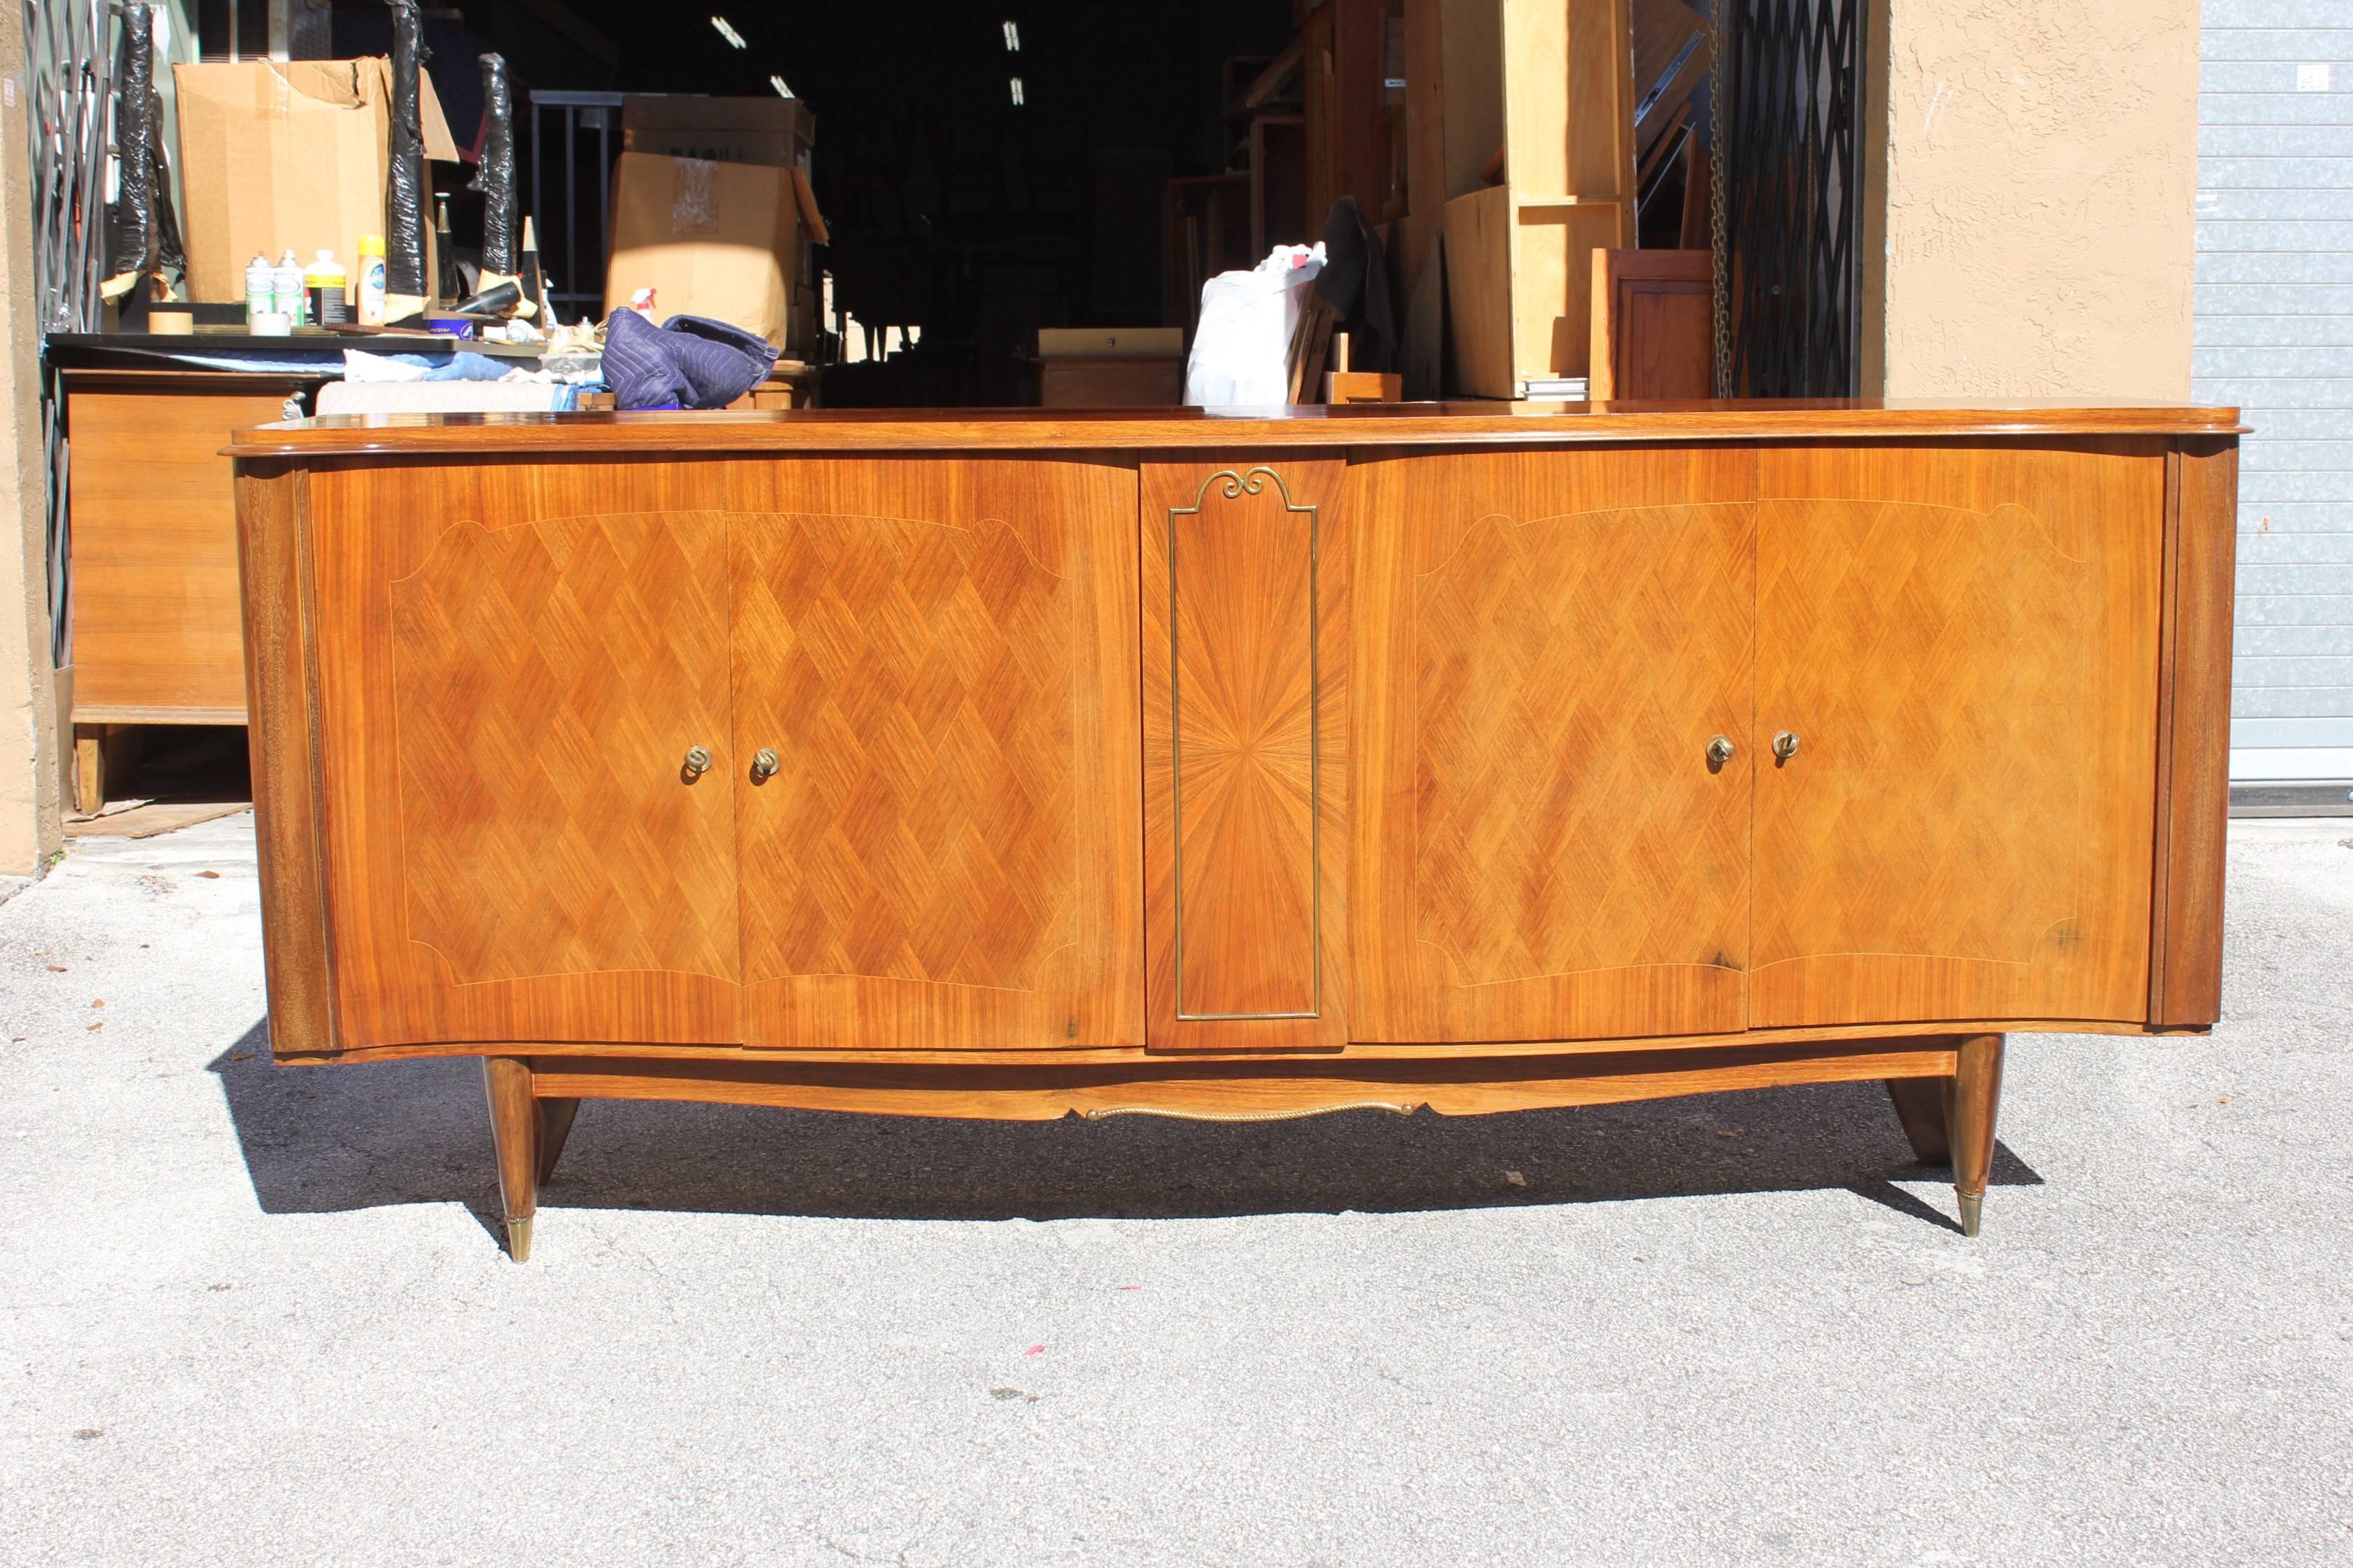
x,y
1792,262
2275,336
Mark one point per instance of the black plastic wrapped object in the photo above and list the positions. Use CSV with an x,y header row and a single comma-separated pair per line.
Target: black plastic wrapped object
x,y
495,177
405,187
134,121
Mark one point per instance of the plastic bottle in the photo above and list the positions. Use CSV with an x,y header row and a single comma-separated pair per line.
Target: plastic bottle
x,y
371,281
327,291
286,289
261,287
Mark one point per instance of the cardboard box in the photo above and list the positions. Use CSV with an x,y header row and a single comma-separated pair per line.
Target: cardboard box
x,y
287,155
777,131
710,238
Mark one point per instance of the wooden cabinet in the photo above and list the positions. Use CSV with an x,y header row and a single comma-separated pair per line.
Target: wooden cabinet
x,y
792,768
1467,759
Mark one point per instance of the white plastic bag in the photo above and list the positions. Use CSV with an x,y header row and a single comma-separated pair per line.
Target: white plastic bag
x,y
1241,349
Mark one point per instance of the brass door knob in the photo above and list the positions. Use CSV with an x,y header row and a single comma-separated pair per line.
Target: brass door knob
x,y
1785,746
698,761
764,764
1719,751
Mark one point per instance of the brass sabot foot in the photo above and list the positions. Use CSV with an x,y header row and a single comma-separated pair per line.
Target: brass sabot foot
x,y
519,1240
1970,1207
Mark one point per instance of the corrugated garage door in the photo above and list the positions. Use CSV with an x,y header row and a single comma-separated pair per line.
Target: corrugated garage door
x,y
2274,336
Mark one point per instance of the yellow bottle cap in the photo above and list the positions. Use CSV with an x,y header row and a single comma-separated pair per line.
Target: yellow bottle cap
x,y
371,245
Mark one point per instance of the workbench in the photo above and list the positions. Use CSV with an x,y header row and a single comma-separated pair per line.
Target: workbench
x,y
1241,764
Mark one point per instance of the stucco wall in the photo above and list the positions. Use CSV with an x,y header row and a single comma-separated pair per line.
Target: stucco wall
x,y
2039,166
29,774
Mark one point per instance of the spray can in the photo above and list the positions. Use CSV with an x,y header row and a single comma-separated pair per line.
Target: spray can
x,y
371,281
286,289
261,287
326,290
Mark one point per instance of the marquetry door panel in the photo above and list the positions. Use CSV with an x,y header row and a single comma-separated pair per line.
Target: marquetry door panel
x,y
941,655
1545,646
518,853
1245,655
1965,829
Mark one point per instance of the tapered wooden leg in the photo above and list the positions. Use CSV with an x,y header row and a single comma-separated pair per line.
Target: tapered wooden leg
x,y
515,1130
1920,1107
1970,1105
554,1126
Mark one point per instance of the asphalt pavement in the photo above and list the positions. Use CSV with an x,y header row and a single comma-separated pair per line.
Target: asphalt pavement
x,y
252,1315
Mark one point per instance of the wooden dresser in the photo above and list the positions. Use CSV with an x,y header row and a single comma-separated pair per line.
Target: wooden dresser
x,y
1465,757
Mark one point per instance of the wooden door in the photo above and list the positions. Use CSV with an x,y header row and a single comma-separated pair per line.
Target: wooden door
x,y
1546,644
1653,325
516,849
1245,754
941,653
1965,828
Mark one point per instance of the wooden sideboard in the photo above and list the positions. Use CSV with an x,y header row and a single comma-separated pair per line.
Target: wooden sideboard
x,y
1462,757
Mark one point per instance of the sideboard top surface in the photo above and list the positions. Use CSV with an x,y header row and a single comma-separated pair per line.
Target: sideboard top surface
x,y
1197,429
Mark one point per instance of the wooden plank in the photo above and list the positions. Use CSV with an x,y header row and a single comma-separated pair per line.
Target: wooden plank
x,y
1653,325
1552,283
1245,755
1219,1091
281,735
1471,39
1479,291
2194,717
1425,136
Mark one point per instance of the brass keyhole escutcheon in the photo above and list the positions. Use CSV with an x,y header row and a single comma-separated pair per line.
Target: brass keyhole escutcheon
x,y
1785,746
764,764
697,763
1719,751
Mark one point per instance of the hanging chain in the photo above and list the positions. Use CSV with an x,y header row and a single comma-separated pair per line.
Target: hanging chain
x,y
1718,88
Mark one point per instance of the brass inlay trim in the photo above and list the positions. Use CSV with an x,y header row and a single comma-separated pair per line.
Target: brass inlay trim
x,y
1237,485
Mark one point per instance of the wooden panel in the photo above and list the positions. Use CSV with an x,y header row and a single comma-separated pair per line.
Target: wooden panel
x,y
1245,754
1546,644
1425,139
942,655
1471,40
1567,69
1653,323
1965,640
1479,292
513,662
1552,282
1218,1091
1110,383
2194,733
155,624
271,502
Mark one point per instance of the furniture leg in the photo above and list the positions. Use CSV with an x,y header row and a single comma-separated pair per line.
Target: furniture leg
x,y
1920,1107
90,769
1972,1102
554,1126
514,1132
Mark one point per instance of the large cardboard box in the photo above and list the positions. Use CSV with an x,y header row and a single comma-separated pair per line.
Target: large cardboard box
x,y
287,155
777,131
710,239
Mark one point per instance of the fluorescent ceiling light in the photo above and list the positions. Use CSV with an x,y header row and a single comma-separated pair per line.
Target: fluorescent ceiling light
x,y
727,32
778,83
1013,37
1016,92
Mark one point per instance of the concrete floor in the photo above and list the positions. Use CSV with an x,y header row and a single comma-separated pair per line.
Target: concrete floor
x,y
251,1314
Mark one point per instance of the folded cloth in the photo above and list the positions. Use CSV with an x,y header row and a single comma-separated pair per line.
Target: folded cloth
x,y
688,362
